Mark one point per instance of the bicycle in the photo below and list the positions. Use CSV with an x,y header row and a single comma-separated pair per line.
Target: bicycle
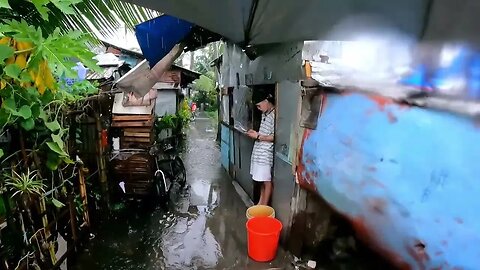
x,y
170,170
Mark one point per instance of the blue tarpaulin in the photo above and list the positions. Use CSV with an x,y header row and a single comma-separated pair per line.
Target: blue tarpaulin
x,y
158,36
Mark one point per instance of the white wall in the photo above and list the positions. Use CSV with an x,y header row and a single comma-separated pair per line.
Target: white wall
x,y
166,102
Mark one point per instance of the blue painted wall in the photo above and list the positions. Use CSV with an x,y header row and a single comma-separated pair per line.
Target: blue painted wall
x,y
406,177
224,146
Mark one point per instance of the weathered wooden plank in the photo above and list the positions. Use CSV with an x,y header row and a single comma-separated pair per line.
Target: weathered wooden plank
x,y
148,123
137,134
140,129
135,139
135,117
142,145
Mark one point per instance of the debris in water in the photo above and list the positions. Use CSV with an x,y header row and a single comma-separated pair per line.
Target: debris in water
x,y
312,264
122,186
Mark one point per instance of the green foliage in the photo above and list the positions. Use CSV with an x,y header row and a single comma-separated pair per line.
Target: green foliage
x,y
168,121
59,50
32,100
57,203
175,122
205,91
5,53
4,4
184,114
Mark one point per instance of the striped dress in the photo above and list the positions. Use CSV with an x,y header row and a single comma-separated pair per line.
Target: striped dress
x,y
262,153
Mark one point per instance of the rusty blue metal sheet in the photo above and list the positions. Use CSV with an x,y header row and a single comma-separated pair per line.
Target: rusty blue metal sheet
x,y
406,177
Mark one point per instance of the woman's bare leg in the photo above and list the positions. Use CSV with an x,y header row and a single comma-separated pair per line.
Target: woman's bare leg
x,y
267,190
266,193
262,195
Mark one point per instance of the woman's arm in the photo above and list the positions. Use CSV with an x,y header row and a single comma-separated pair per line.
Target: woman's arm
x,y
265,138
256,136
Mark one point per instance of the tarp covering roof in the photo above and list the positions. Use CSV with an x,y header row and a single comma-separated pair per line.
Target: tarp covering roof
x,y
270,21
157,37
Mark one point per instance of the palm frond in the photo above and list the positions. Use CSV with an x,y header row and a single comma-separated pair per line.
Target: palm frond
x,y
90,16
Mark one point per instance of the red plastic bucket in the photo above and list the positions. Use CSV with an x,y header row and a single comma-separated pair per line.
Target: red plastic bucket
x,y
263,234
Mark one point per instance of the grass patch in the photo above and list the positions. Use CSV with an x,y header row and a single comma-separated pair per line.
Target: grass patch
x,y
212,115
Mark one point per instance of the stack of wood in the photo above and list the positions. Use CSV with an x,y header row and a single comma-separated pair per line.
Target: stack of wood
x,y
136,130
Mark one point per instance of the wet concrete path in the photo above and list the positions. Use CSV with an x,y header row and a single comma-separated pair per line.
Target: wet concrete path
x,y
204,228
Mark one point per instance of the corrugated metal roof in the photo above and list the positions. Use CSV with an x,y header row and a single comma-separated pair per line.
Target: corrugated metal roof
x,y
108,59
107,73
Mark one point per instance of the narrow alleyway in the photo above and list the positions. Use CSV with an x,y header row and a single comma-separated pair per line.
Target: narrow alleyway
x,y
204,229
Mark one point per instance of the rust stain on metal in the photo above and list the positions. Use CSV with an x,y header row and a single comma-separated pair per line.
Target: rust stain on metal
x,y
378,205
304,178
370,112
381,102
391,117
366,235
371,182
459,220
418,253
324,104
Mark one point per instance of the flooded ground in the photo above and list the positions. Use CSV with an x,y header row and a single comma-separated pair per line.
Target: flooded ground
x,y
204,227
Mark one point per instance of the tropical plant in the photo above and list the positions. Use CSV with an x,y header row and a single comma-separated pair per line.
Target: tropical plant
x,y
175,122
88,16
25,185
165,122
33,101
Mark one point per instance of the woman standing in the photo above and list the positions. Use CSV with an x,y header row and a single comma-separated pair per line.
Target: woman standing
x,y
262,154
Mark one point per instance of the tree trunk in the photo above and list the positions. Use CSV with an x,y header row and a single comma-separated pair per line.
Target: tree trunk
x,y
192,60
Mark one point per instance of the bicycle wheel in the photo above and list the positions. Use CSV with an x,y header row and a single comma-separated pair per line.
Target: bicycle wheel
x,y
179,171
